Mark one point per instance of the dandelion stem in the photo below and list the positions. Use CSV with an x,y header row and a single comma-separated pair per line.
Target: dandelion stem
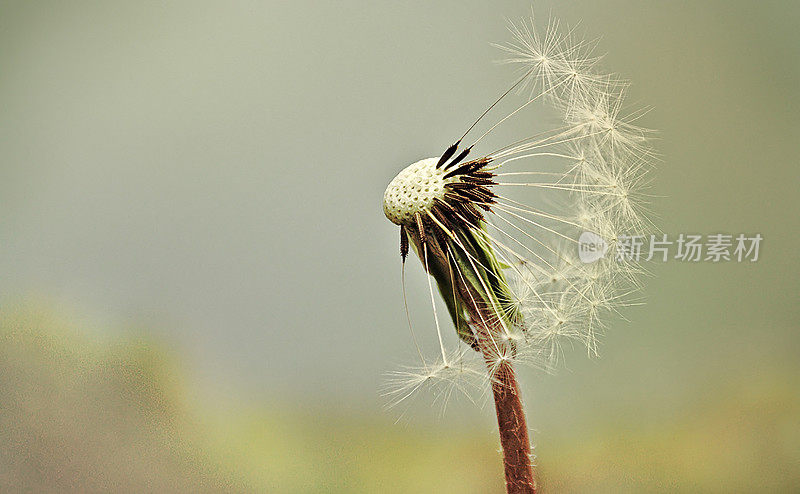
x,y
512,426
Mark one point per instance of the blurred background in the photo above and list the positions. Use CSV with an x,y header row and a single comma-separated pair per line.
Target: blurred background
x,y
199,291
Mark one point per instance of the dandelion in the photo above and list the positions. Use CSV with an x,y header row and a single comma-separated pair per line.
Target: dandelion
x,y
508,270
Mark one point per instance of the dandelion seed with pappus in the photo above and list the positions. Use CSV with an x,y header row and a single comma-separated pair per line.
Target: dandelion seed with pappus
x,y
507,270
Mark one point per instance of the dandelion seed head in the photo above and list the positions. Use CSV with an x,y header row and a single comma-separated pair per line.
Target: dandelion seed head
x,y
414,190
508,268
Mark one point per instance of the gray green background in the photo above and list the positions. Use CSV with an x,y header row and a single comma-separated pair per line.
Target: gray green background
x,y
205,179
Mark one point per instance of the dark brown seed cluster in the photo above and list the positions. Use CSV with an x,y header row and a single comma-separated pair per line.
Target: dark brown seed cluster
x,y
466,198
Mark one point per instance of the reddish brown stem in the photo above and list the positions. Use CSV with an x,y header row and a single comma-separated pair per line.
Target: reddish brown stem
x,y
513,432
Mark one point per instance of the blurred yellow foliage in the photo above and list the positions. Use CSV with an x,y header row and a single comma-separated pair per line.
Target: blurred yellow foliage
x,y
78,415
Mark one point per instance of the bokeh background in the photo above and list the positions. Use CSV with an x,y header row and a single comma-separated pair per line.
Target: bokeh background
x,y
200,292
